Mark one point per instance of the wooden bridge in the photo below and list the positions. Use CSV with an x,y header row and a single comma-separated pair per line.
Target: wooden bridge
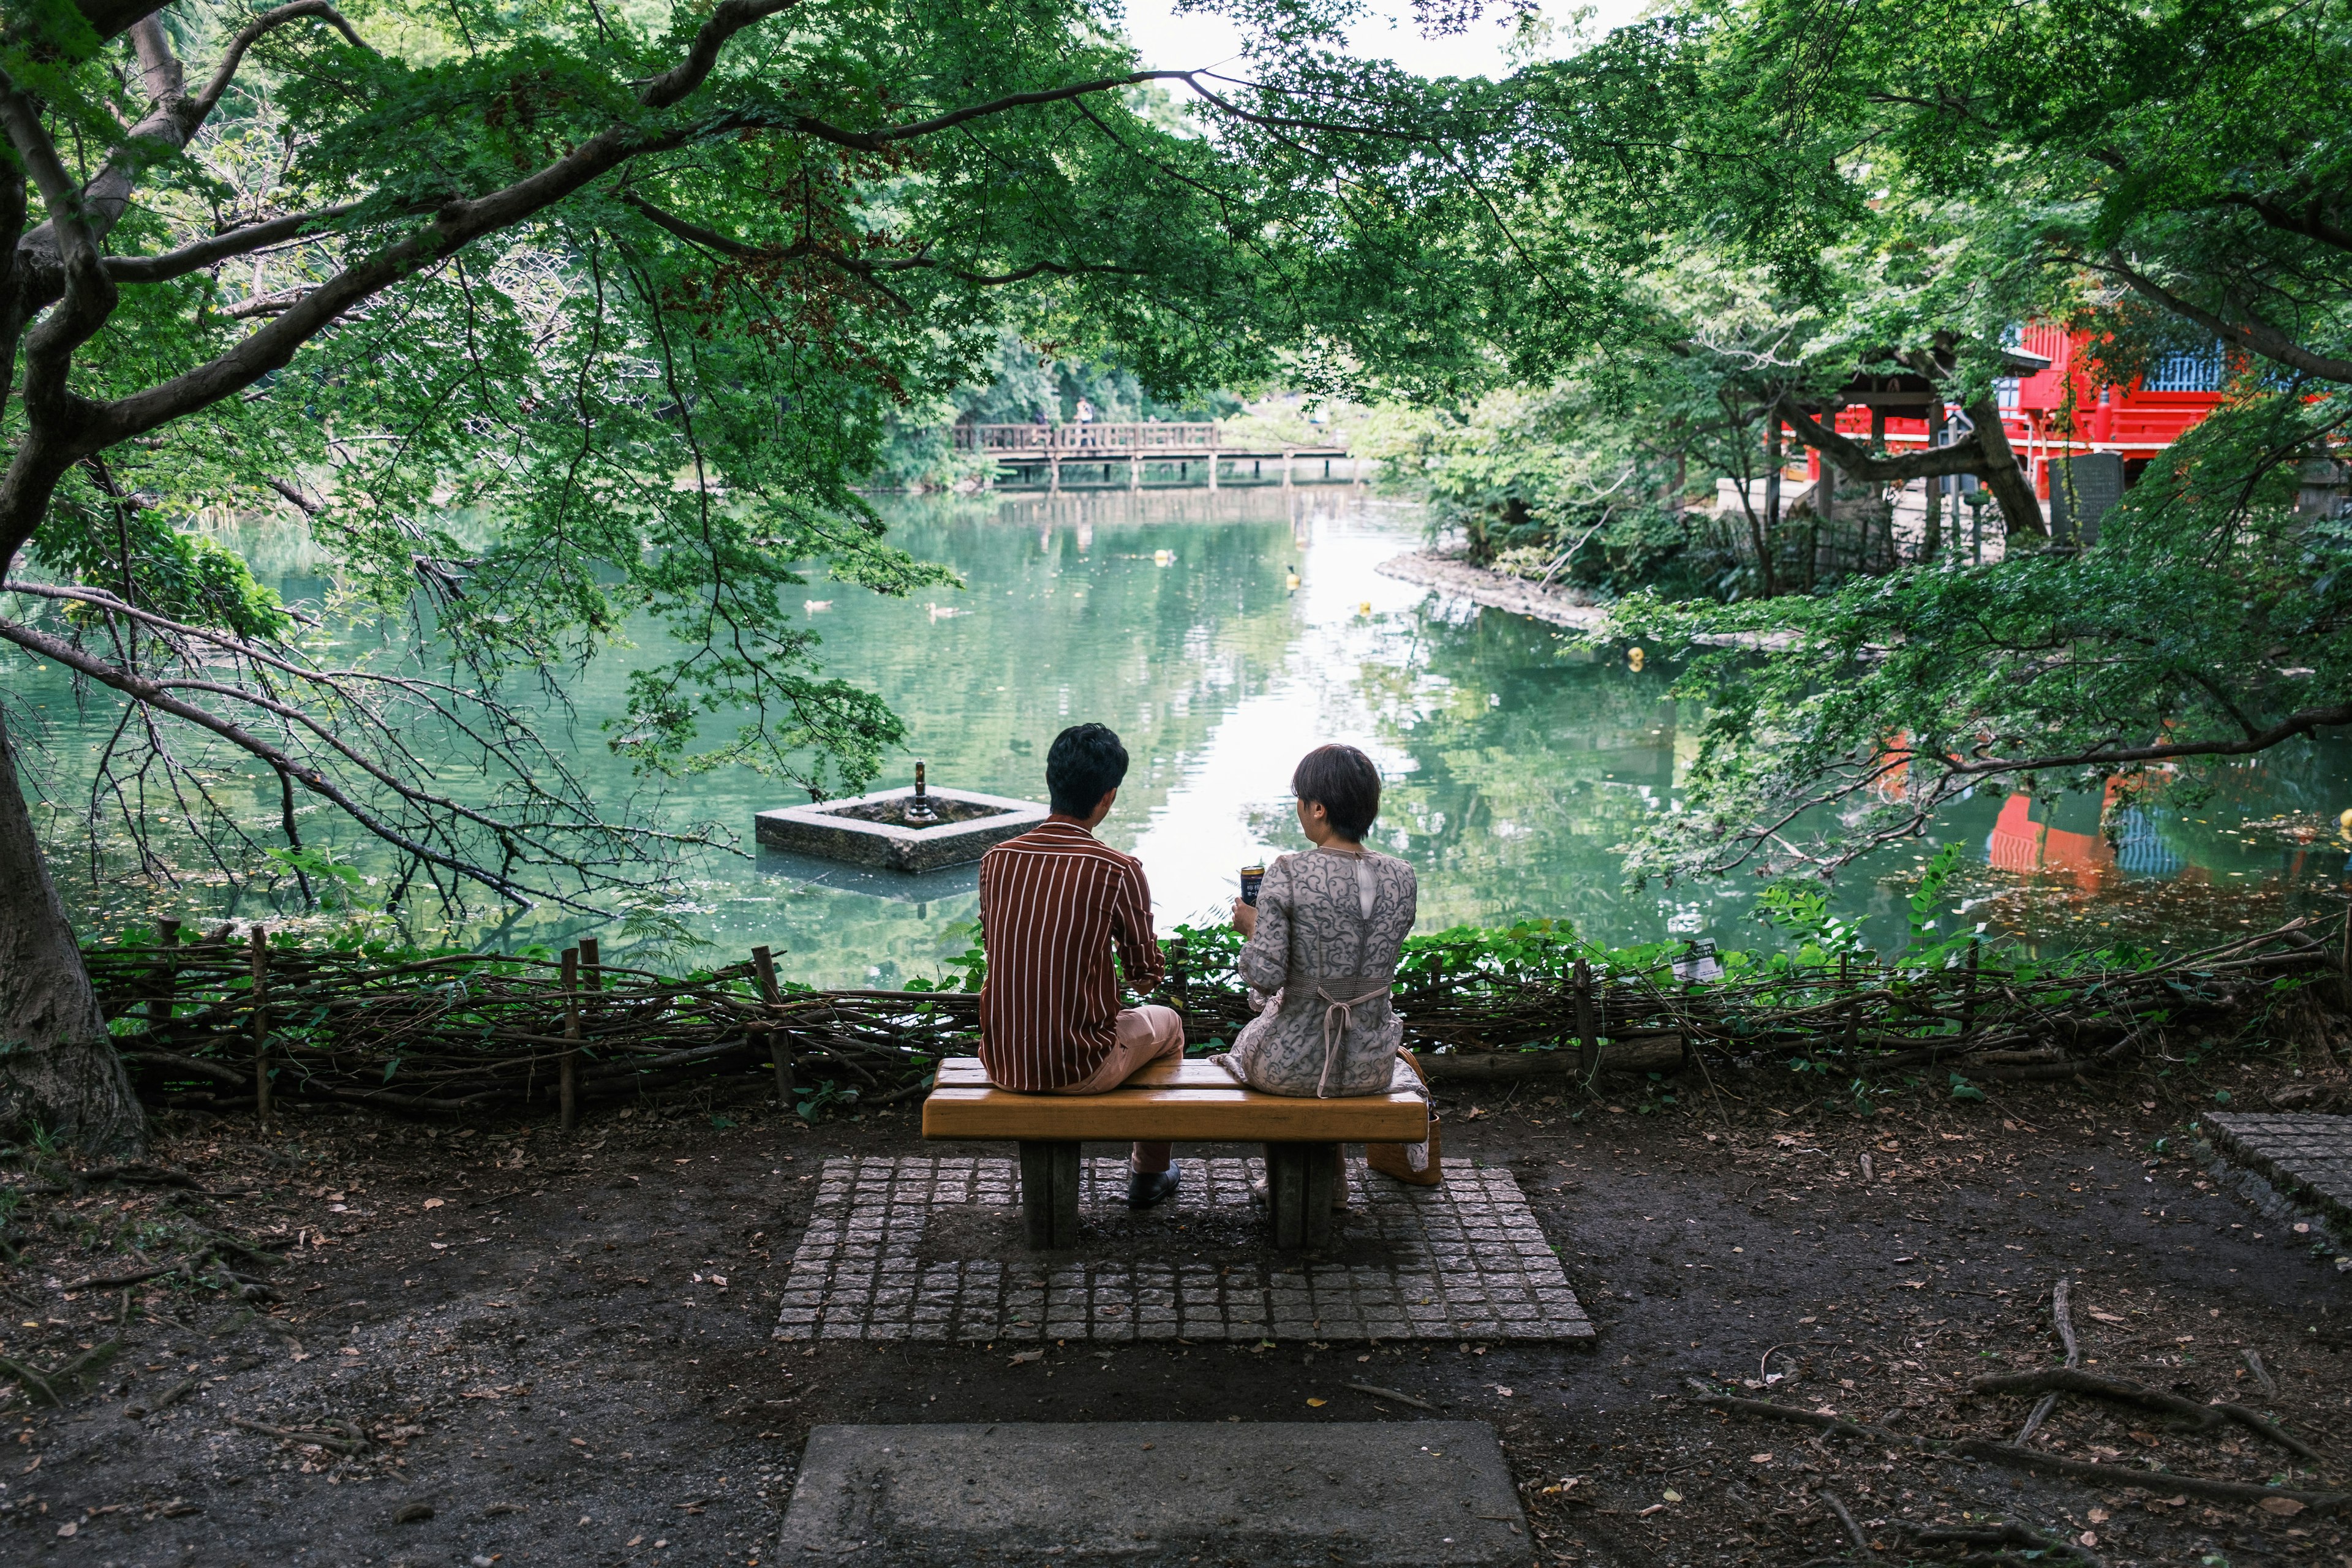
x,y
1090,454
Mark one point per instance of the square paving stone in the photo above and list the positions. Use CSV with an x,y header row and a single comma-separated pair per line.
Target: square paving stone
x,y
2307,1156
1199,1267
1404,1494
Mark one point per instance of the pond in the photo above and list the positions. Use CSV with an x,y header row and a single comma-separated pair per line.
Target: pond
x,y
1516,763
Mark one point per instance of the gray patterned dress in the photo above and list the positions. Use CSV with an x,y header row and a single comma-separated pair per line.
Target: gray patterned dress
x,y
1330,926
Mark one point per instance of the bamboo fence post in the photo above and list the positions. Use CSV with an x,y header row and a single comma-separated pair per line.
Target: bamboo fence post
x,y
159,1006
567,1066
2344,960
1968,995
592,978
1845,984
763,964
260,1026
1587,1042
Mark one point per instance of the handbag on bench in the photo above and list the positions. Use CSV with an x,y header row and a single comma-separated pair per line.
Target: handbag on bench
x,y
1415,1164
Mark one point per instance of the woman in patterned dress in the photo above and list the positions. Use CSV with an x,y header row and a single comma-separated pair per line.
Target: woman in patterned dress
x,y
1323,942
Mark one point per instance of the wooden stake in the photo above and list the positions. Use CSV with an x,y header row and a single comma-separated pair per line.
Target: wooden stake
x,y
261,1025
2344,963
567,1081
159,1006
1588,1040
1968,995
1853,1029
763,964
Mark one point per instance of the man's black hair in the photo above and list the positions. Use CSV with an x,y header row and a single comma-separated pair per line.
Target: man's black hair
x,y
1085,763
1344,781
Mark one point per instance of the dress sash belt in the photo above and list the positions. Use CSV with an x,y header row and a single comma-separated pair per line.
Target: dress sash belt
x,y
1338,1013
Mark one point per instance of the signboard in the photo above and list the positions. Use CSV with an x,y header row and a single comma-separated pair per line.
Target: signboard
x,y
2082,489
1698,962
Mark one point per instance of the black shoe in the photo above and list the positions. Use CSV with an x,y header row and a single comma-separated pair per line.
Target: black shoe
x,y
1149,1189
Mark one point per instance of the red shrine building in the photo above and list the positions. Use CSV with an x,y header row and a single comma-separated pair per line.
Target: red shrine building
x,y
2053,409
2058,411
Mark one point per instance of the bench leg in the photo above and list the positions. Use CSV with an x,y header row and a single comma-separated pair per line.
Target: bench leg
x,y
1049,1194
1302,1179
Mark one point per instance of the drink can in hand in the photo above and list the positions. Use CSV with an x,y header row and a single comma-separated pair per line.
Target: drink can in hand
x,y
1251,877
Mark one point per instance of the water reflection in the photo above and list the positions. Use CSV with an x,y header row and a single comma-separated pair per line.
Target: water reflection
x,y
1223,635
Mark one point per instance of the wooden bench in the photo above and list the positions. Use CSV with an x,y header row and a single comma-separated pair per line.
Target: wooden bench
x,y
1173,1101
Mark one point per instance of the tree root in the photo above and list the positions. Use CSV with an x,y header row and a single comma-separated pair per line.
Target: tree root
x,y
32,1382
189,1264
2003,1535
312,1435
79,1181
1835,1425
1836,1505
1983,1449
2064,1321
67,1375
2253,1421
2203,1417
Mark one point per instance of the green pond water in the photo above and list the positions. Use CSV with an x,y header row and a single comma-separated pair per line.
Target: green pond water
x,y
1515,765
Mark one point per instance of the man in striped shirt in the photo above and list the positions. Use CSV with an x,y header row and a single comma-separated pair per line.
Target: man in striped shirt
x,y
1053,905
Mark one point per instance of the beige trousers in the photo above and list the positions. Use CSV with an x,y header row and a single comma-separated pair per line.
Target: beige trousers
x,y
1145,1035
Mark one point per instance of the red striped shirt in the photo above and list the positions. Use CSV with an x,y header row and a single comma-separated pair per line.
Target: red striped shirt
x,y
1053,902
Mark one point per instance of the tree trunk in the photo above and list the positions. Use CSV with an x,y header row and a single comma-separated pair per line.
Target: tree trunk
x,y
1774,454
57,1066
2020,510
1878,450
1824,521
1931,540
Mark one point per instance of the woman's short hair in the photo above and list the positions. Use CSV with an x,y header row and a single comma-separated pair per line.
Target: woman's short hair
x,y
1085,764
1342,781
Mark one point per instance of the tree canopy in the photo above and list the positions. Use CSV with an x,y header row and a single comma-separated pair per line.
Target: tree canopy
x,y
2156,177
573,321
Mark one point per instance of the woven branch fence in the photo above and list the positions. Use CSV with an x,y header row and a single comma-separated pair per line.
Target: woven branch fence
x,y
239,1022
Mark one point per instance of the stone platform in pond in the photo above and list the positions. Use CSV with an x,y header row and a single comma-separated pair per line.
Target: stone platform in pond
x,y
1402,1494
873,829
931,1247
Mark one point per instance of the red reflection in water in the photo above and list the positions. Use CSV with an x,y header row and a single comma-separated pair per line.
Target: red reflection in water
x,y
2021,844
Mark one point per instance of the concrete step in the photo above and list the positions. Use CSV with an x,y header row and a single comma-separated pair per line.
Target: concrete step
x,y
1403,1494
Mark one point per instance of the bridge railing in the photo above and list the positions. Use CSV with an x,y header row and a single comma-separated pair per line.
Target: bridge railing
x,y
1093,436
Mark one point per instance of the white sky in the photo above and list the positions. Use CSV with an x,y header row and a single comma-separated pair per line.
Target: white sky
x,y
1171,42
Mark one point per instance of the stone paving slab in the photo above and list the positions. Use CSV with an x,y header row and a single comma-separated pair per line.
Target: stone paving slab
x,y
925,1247
1405,1494
2306,1155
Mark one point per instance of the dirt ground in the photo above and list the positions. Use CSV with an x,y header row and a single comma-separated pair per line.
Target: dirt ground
x,y
499,1345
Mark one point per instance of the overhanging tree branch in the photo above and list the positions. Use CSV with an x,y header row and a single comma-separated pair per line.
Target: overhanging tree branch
x,y
2303,722
202,106
1965,456
1984,454
2252,333
729,18
800,250
2312,222
203,253
876,140
153,695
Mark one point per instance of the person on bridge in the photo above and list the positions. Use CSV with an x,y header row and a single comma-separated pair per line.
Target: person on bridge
x,y
1054,903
